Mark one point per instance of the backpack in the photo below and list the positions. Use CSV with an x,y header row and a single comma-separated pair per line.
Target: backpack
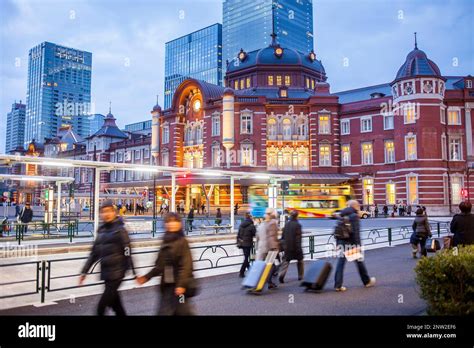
x,y
343,229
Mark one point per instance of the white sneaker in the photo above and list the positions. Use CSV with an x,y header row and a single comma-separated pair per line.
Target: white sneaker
x,y
341,289
371,283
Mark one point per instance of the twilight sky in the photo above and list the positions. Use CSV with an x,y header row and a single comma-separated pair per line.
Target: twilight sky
x,y
127,41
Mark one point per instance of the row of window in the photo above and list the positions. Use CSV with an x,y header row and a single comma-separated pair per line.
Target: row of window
x,y
119,157
129,175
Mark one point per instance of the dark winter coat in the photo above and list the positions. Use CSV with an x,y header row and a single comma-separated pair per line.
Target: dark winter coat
x,y
291,237
421,227
462,226
176,254
355,226
26,215
246,233
112,248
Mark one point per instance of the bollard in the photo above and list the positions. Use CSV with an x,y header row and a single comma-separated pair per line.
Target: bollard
x,y
153,228
311,246
389,236
439,228
43,276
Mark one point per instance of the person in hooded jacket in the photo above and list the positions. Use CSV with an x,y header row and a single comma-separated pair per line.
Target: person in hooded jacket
x,y
175,266
421,232
112,248
352,212
291,241
245,241
462,225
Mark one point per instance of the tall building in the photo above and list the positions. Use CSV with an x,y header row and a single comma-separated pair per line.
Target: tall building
x,y
15,131
58,92
95,123
196,55
248,25
143,127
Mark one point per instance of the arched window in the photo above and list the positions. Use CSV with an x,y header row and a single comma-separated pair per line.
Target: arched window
x,y
301,127
286,128
280,159
272,129
188,160
198,133
287,165
272,162
188,135
303,159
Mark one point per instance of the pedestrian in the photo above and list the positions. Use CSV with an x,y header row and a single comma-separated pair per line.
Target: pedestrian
x,y
236,209
462,225
409,210
181,207
190,219
376,211
352,213
25,217
400,209
245,237
175,266
292,246
267,240
385,210
17,210
203,208
421,232
218,217
112,248
372,210
394,211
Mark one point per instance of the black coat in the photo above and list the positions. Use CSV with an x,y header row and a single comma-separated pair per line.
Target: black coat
x,y
26,215
112,248
462,226
246,232
292,235
174,253
421,227
355,226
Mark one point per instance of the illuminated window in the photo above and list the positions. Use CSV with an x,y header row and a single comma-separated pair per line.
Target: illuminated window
x,y
242,83
236,84
270,80
366,124
272,158
324,124
307,82
410,147
248,82
283,93
368,191
312,83
271,128
286,128
367,153
287,80
389,151
390,193
409,113
278,80
455,152
454,117
456,187
324,155
246,126
346,155
412,183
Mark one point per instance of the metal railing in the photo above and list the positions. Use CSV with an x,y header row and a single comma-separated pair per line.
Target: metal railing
x,y
207,257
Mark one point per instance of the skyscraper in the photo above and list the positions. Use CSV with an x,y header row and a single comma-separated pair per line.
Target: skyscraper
x,y
248,24
197,55
95,123
58,92
15,131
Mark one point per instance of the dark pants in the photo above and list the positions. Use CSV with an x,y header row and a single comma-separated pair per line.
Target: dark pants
x,y
415,240
170,304
286,263
246,263
111,298
364,276
23,228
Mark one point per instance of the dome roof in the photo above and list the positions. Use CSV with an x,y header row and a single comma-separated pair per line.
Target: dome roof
x,y
267,56
417,64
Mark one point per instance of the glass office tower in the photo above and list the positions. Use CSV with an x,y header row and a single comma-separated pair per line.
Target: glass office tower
x,y
58,92
196,55
15,131
248,24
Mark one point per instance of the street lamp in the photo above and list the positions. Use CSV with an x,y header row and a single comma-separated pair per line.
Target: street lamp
x,y
155,146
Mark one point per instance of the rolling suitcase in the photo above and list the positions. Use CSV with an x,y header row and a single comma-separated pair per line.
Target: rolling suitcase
x,y
258,274
432,245
317,274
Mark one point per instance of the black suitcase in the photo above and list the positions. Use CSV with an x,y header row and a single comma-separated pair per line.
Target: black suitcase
x,y
316,275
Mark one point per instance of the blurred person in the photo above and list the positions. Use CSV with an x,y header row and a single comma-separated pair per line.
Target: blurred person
x,y
421,232
175,266
385,210
267,240
218,217
112,248
292,246
352,212
462,225
245,241
25,217
190,219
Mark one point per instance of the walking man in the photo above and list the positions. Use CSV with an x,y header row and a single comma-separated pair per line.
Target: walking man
x,y
245,241
291,240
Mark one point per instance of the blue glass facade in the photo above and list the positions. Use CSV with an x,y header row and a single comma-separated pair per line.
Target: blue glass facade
x,y
197,55
247,24
58,92
96,122
15,132
139,126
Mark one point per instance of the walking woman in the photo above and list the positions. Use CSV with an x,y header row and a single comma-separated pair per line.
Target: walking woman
x,y
112,248
267,240
175,266
245,241
421,232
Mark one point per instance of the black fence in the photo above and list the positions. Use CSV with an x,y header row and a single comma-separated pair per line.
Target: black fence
x,y
41,277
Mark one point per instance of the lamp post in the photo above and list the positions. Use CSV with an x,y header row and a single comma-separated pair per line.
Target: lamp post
x,y
155,145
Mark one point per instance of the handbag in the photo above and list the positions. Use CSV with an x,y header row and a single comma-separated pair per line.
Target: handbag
x,y
447,242
193,288
432,245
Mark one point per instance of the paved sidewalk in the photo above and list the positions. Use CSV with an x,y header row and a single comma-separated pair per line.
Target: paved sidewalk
x,y
395,294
